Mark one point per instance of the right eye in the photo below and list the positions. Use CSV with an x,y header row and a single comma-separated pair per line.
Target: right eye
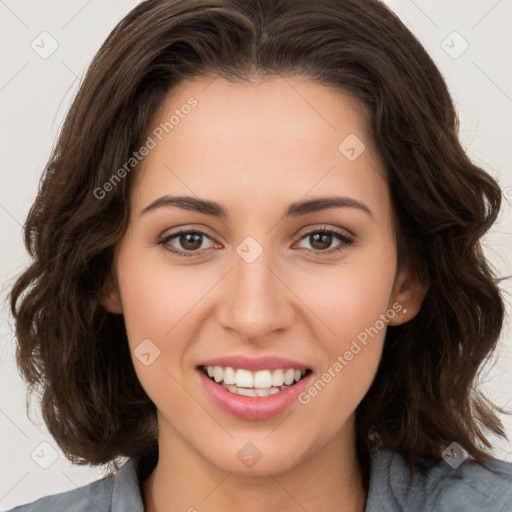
x,y
189,242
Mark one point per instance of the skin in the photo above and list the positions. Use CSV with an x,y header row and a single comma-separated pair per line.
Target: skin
x,y
255,148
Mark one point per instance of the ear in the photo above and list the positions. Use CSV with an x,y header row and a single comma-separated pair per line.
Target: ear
x,y
407,297
110,298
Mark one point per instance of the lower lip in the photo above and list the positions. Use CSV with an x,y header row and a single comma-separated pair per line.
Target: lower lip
x,y
253,408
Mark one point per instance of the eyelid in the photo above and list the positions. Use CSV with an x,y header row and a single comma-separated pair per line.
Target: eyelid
x,y
313,228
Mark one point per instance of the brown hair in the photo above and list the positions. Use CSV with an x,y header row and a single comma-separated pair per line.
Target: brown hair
x,y
76,354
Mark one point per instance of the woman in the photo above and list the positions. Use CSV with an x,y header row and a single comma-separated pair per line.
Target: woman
x,y
257,269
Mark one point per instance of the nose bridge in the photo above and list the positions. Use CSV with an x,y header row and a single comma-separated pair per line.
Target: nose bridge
x,y
255,301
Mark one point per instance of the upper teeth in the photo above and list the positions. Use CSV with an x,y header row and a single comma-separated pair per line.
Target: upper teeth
x,y
247,379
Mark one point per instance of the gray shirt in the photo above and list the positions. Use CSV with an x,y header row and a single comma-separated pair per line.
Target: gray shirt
x,y
440,488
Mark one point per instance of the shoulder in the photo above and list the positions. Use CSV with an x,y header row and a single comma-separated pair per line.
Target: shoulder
x,y
439,487
117,492
95,496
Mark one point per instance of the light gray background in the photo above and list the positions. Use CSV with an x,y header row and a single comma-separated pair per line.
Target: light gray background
x,y
35,93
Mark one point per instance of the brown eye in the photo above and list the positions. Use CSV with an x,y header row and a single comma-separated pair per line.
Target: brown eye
x,y
185,242
190,241
321,240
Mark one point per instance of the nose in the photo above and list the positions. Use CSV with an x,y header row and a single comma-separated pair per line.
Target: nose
x,y
256,301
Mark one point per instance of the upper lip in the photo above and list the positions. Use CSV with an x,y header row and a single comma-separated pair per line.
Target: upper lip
x,y
255,363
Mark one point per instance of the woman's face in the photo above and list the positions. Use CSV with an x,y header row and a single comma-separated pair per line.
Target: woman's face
x,y
289,274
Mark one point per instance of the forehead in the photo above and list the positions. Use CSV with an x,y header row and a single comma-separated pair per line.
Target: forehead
x,y
275,138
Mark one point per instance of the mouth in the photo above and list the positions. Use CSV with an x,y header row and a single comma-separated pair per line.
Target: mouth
x,y
252,388
262,383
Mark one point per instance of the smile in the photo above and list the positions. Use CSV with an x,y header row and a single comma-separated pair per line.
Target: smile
x,y
261,383
253,388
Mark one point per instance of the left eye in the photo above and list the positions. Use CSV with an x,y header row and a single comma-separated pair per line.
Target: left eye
x,y
321,240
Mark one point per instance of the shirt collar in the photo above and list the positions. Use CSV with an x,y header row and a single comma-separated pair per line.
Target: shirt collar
x,y
127,492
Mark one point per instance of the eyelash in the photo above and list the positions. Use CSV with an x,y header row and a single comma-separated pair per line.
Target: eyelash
x,y
346,241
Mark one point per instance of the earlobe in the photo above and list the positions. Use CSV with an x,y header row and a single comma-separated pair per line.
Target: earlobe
x,y
407,298
110,298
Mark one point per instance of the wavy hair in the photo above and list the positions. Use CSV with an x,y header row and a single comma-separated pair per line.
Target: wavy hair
x,y
75,354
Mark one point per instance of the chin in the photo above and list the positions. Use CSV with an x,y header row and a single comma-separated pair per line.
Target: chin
x,y
259,456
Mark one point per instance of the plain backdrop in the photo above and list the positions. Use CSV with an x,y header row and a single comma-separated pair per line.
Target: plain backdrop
x,y
46,48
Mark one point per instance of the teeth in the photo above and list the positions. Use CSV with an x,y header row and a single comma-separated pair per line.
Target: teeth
x,y
252,391
243,378
288,376
270,381
277,378
229,375
262,379
218,373
246,392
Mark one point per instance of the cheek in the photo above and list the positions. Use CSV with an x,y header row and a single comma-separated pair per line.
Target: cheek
x,y
161,304
157,296
156,301
353,302
350,298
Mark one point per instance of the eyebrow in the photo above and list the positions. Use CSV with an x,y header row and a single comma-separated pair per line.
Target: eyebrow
x,y
294,209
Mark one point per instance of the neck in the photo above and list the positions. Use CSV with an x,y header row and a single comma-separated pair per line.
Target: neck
x,y
330,479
